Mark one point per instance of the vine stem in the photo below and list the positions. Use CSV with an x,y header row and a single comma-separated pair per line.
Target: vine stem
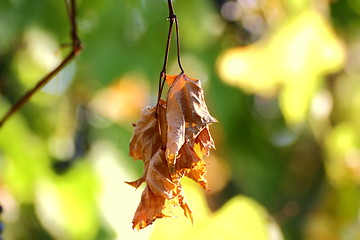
x,y
162,78
76,48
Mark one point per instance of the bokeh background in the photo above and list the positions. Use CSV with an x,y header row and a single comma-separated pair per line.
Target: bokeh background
x,y
281,76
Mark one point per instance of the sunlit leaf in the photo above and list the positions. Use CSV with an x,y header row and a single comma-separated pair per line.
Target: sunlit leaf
x,y
289,62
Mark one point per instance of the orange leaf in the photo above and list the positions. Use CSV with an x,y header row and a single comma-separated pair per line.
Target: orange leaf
x,y
206,141
190,160
197,173
170,79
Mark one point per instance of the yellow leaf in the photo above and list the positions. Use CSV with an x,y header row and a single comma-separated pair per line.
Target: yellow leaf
x,y
289,62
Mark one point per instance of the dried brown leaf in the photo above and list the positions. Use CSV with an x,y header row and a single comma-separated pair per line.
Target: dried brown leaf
x,y
161,194
190,159
172,141
150,208
146,139
186,113
206,141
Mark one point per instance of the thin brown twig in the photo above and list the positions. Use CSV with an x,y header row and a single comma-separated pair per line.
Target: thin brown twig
x,y
76,48
162,78
178,45
173,18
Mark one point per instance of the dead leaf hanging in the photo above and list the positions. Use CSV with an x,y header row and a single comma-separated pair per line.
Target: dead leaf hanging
x,y
146,139
172,140
186,113
160,195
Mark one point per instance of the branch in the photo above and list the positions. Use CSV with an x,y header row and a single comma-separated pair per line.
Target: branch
x,y
172,18
76,48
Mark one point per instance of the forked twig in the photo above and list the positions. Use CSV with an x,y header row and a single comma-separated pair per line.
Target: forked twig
x,y
172,18
76,48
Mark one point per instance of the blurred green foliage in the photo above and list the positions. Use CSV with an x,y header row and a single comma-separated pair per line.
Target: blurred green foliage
x,y
281,76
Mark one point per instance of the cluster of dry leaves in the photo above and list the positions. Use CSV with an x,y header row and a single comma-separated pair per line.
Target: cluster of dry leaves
x,y
171,138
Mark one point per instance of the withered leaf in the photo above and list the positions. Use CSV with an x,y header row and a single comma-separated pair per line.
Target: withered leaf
x,y
161,194
190,159
158,177
145,141
172,140
205,140
186,113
